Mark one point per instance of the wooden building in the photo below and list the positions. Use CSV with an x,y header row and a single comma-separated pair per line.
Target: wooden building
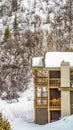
x,y
53,86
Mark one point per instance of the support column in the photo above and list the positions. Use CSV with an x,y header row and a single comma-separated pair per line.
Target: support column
x,y
65,83
48,98
35,93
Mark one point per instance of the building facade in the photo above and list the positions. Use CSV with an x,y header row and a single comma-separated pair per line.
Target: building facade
x,y
53,91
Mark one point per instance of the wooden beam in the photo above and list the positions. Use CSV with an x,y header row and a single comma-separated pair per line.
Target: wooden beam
x,y
41,106
42,68
55,108
65,89
53,87
38,68
41,84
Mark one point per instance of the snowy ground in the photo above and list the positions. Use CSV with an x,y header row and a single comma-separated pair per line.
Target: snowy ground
x,y
64,124
21,114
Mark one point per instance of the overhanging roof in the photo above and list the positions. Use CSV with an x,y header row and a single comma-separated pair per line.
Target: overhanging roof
x,y
53,59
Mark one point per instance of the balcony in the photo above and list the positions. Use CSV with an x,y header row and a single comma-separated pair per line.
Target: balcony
x,y
42,81
41,102
55,104
54,82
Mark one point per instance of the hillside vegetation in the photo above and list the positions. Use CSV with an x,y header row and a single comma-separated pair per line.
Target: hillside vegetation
x,y
29,28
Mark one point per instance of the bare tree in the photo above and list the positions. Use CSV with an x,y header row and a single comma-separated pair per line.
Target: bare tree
x,y
14,5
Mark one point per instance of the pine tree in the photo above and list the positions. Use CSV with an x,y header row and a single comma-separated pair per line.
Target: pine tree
x,y
15,24
4,124
7,34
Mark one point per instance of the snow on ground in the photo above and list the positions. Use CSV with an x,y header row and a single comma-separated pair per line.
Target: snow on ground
x,y
20,114
20,110
64,124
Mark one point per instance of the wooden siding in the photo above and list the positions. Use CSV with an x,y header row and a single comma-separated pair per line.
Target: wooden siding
x,y
42,79
55,115
41,116
71,102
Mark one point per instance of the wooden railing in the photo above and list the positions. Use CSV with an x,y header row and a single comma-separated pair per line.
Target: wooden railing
x,y
42,81
54,81
41,101
55,102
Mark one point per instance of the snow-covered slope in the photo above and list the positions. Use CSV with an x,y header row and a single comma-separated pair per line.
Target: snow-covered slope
x,y
64,124
21,117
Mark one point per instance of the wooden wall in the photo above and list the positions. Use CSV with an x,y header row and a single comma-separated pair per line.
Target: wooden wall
x,y
55,115
41,116
71,102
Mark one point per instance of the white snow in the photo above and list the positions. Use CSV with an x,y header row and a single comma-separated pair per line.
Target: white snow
x,y
37,61
64,124
1,25
53,59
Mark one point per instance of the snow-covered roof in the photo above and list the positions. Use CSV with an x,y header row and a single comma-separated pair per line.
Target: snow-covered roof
x,y
37,62
53,59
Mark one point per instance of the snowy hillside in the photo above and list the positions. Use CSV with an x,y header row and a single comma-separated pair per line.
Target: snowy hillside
x,y
46,15
30,14
35,20
39,14
43,25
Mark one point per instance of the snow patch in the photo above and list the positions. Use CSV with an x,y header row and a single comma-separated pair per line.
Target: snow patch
x,y
37,61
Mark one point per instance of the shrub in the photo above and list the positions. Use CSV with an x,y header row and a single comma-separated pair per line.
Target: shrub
x,y
7,34
4,124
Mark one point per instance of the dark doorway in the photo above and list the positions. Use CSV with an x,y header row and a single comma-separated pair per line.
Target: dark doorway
x,y
55,115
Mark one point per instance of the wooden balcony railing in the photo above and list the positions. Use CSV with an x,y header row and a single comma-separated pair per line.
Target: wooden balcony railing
x,y
42,81
54,82
55,103
41,101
